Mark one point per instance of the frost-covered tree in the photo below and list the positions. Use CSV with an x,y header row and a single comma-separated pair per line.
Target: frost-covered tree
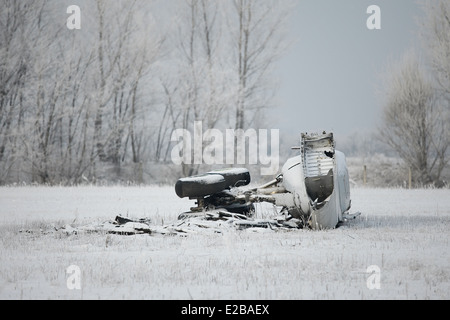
x,y
436,34
96,102
257,41
72,101
412,120
26,98
126,50
224,52
417,109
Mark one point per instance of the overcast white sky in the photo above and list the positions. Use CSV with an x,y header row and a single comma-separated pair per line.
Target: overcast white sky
x,y
330,76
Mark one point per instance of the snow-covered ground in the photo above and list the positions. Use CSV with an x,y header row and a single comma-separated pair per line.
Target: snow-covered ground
x,y
397,249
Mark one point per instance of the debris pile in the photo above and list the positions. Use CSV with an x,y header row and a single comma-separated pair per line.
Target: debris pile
x,y
200,223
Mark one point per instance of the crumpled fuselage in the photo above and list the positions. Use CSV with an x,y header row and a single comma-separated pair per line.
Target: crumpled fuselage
x,y
316,183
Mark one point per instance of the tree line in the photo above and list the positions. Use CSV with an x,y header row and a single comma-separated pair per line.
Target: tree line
x,y
101,101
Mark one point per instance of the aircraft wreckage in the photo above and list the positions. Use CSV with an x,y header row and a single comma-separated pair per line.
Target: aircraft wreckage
x,y
313,187
312,191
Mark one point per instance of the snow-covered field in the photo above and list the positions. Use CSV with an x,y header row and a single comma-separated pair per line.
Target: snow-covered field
x,y
397,249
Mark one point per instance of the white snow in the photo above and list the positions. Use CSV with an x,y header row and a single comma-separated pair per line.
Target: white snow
x,y
403,232
205,179
234,171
